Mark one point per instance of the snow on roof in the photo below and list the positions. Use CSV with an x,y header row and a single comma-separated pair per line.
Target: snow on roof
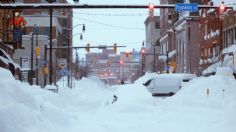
x,y
6,61
181,76
9,60
229,49
146,77
170,55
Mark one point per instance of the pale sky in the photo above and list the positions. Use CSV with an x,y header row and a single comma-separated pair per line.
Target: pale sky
x,y
102,29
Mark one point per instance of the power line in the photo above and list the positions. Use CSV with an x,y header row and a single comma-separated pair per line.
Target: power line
x,y
109,25
98,14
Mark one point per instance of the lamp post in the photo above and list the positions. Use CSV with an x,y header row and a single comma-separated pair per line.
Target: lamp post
x,y
36,57
31,73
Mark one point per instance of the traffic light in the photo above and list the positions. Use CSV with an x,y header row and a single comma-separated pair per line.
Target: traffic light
x,y
109,63
222,7
143,52
83,29
151,10
151,6
127,54
81,36
115,47
88,48
121,62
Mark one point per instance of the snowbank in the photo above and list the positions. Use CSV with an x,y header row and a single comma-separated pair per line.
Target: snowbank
x,y
206,104
131,98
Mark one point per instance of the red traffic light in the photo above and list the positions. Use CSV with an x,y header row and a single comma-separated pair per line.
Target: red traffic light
x,y
151,6
121,62
222,7
143,51
127,53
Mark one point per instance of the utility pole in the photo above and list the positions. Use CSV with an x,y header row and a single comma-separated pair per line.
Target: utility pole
x,y
68,55
154,61
50,50
37,63
32,60
45,65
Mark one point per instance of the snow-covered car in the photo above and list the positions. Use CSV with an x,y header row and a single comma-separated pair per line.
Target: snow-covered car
x,y
167,84
7,63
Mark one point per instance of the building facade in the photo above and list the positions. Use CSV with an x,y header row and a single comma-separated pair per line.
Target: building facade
x,y
104,65
152,24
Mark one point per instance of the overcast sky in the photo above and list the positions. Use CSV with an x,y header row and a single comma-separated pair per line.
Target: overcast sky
x,y
123,26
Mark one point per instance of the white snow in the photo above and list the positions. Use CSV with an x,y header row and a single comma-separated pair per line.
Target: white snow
x,y
8,60
89,108
229,60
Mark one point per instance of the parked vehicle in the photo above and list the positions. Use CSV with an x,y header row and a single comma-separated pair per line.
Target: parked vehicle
x,y
7,63
167,84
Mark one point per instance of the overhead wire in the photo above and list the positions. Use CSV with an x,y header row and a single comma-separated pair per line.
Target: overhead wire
x,y
103,14
109,25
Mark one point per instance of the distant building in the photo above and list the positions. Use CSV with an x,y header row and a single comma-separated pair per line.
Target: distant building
x,y
152,24
104,65
129,69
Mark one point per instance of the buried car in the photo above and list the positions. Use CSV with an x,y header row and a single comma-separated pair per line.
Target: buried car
x,y
167,84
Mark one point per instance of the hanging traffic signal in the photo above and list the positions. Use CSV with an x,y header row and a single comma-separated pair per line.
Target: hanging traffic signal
x,y
127,54
115,47
143,52
109,63
151,10
83,29
81,36
88,48
151,6
222,7
121,62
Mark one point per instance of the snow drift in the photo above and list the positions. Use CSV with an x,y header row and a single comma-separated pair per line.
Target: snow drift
x,y
25,108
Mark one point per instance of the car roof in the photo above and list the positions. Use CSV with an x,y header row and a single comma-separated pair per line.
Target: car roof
x,y
182,76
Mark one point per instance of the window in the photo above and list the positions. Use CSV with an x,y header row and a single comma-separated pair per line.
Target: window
x,y
64,22
157,25
158,43
46,31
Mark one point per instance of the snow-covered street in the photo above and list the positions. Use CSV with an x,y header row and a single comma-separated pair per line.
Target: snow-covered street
x,y
88,107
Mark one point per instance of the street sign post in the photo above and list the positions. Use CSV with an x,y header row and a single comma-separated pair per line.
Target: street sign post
x,y
192,7
25,61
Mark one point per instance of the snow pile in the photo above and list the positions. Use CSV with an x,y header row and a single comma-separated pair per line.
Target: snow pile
x,y
206,104
194,110
131,98
224,71
23,108
88,94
